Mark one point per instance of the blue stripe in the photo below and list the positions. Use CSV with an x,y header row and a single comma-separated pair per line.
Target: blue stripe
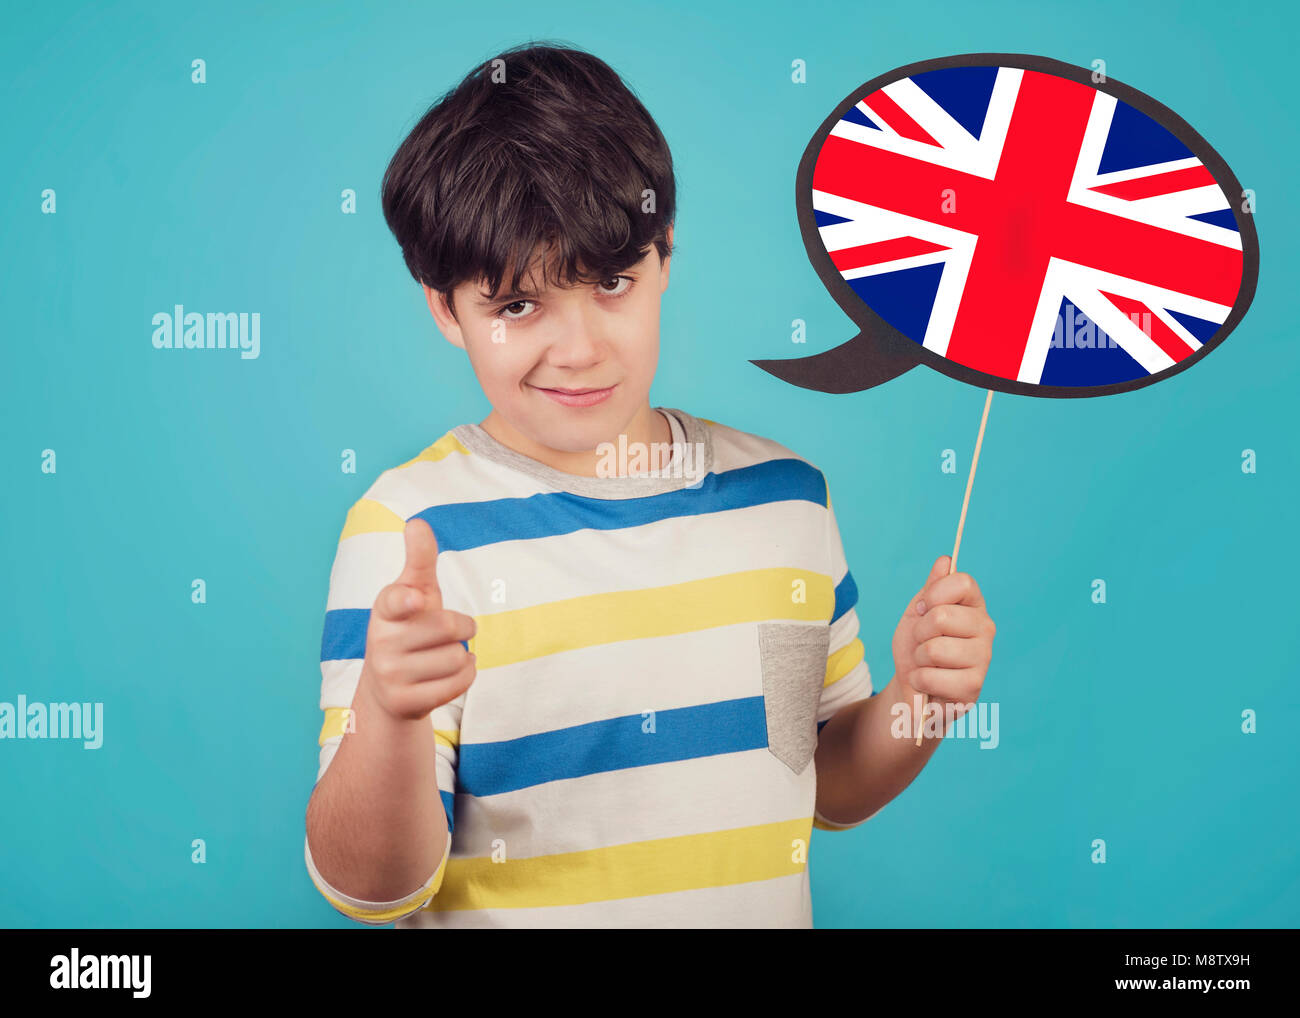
x,y
460,526
1219,217
344,636
846,596
855,116
904,298
1198,327
449,807
1136,139
682,733
1102,362
964,93
825,218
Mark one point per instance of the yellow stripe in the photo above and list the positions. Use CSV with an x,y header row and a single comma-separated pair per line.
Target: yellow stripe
x,y
336,723
753,595
447,736
441,449
844,661
658,866
385,915
707,421
368,517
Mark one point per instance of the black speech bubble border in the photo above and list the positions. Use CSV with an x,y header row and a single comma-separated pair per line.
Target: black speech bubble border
x,y
878,331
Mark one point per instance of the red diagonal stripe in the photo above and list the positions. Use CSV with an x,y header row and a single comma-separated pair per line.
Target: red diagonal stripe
x,y
892,114
1161,183
882,251
1147,320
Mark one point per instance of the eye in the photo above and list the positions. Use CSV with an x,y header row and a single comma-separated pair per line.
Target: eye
x,y
624,284
500,312
616,279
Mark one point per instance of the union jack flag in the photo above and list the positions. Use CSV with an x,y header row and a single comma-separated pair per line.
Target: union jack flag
x,y
1027,226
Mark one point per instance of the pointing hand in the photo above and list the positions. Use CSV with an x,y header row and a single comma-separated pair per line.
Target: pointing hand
x,y
415,660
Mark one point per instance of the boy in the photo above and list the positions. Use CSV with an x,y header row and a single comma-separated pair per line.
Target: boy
x,y
591,662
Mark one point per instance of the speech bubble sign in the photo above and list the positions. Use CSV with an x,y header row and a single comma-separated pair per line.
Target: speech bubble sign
x,y
1013,223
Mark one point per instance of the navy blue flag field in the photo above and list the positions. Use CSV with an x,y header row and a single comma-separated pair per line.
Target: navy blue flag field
x,y
1020,224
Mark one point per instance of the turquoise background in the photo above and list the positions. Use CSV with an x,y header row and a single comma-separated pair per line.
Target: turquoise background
x,y
1118,721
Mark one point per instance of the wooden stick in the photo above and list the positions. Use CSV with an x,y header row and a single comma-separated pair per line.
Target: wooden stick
x,y
952,565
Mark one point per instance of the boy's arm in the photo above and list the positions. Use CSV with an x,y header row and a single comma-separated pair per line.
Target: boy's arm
x,y
377,837
380,823
866,753
861,765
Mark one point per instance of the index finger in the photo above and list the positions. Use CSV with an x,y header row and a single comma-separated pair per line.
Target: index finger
x,y
421,566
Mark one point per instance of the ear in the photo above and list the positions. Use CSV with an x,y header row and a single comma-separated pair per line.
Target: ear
x,y
666,265
447,323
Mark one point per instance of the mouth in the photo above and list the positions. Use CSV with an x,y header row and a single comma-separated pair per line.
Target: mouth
x,y
577,397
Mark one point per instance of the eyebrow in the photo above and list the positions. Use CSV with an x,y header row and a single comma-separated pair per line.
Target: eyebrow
x,y
487,300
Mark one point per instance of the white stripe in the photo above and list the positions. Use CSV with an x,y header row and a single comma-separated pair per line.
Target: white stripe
x,y
932,118
663,800
1176,327
1133,172
1042,328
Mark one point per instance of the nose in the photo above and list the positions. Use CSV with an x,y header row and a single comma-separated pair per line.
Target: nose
x,y
578,343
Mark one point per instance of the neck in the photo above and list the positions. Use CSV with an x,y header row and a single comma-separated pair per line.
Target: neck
x,y
648,427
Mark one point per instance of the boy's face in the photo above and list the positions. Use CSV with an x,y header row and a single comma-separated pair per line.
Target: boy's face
x,y
525,346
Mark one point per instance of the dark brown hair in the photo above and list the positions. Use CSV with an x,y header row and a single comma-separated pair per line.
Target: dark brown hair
x,y
560,153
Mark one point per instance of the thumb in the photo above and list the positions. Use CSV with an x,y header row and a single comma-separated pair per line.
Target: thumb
x,y
937,572
421,569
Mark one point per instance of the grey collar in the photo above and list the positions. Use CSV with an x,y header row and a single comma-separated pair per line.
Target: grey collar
x,y
691,462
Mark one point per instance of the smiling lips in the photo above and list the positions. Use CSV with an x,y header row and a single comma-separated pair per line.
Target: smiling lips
x,y
577,397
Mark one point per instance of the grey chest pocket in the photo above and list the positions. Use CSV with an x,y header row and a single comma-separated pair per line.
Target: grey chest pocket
x,y
793,657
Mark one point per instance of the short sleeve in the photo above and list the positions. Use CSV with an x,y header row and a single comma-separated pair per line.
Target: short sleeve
x,y
370,555
848,678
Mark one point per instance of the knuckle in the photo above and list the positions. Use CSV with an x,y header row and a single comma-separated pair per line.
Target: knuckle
x,y
445,626
947,653
925,653
384,664
387,599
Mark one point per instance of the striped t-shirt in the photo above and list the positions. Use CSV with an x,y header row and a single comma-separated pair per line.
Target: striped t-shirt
x,y
656,656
